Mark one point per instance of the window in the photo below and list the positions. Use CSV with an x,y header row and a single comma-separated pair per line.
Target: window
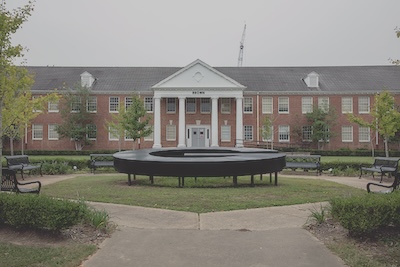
x,y
364,134
225,133
283,105
267,105
37,131
76,104
248,105
323,103
150,136
363,104
347,133
171,105
307,133
225,105
113,134
283,133
128,136
148,104
91,104
171,132
190,105
52,106
52,133
114,104
128,102
91,131
268,137
347,104
248,132
34,109
205,105
306,104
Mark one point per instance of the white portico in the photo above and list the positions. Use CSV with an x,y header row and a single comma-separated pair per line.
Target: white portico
x,y
198,81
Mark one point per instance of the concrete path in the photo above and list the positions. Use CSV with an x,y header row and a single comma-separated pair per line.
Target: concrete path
x,y
256,237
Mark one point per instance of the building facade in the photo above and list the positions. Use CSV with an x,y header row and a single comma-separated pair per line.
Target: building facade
x,y
203,106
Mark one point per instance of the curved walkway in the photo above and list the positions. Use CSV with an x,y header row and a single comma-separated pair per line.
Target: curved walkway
x,y
255,237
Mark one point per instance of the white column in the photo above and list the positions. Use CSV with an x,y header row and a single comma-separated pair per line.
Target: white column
x,y
214,121
239,122
181,130
157,123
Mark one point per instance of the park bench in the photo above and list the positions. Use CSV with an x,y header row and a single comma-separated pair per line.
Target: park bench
x,y
382,165
22,163
101,160
305,162
10,183
387,188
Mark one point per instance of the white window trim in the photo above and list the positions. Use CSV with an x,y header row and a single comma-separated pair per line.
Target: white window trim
x,y
201,105
288,133
109,104
166,132
251,105
244,133
264,103
230,133
343,135
306,107
359,135
49,105
351,104
49,127
87,104
228,102
112,136
195,106
34,130
166,106
152,104
369,105
288,105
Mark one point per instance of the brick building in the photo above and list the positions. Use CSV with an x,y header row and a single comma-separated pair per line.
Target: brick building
x,y
203,106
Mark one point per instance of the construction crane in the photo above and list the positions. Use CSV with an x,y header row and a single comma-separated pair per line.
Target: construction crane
x,y
240,59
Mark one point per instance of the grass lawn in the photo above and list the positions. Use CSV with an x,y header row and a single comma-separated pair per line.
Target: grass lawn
x,y
69,256
205,195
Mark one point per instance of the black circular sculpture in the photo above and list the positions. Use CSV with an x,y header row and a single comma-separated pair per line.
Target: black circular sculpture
x,y
199,162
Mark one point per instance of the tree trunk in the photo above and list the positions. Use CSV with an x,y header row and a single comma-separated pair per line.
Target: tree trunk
x,y
12,146
1,135
386,147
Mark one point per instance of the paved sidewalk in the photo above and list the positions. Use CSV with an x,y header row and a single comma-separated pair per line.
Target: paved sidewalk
x,y
256,237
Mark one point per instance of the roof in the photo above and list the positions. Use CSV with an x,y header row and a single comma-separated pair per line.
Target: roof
x,y
337,79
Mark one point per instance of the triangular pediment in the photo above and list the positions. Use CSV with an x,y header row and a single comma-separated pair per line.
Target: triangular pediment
x,y
198,75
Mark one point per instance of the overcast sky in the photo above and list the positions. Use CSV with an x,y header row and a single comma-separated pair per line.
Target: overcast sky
x,y
177,32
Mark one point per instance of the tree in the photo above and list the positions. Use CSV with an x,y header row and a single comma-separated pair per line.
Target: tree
x,y
321,122
77,119
266,131
115,126
386,117
134,121
10,22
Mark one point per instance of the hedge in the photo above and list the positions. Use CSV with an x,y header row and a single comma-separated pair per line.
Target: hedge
x,y
364,214
39,212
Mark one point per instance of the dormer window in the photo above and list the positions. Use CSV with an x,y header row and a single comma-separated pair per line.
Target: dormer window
x,y
87,79
312,80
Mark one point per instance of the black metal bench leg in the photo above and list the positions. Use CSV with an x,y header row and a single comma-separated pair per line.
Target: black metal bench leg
x,y
276,178
129,180
252,180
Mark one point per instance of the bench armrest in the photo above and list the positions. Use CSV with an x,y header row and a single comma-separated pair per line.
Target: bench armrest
x,y
34,182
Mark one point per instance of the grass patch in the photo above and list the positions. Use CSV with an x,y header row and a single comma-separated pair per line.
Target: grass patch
x,y
203,195
66,256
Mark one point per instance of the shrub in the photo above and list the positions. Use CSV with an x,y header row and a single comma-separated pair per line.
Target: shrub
x,y
55,167
367,213
39,212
